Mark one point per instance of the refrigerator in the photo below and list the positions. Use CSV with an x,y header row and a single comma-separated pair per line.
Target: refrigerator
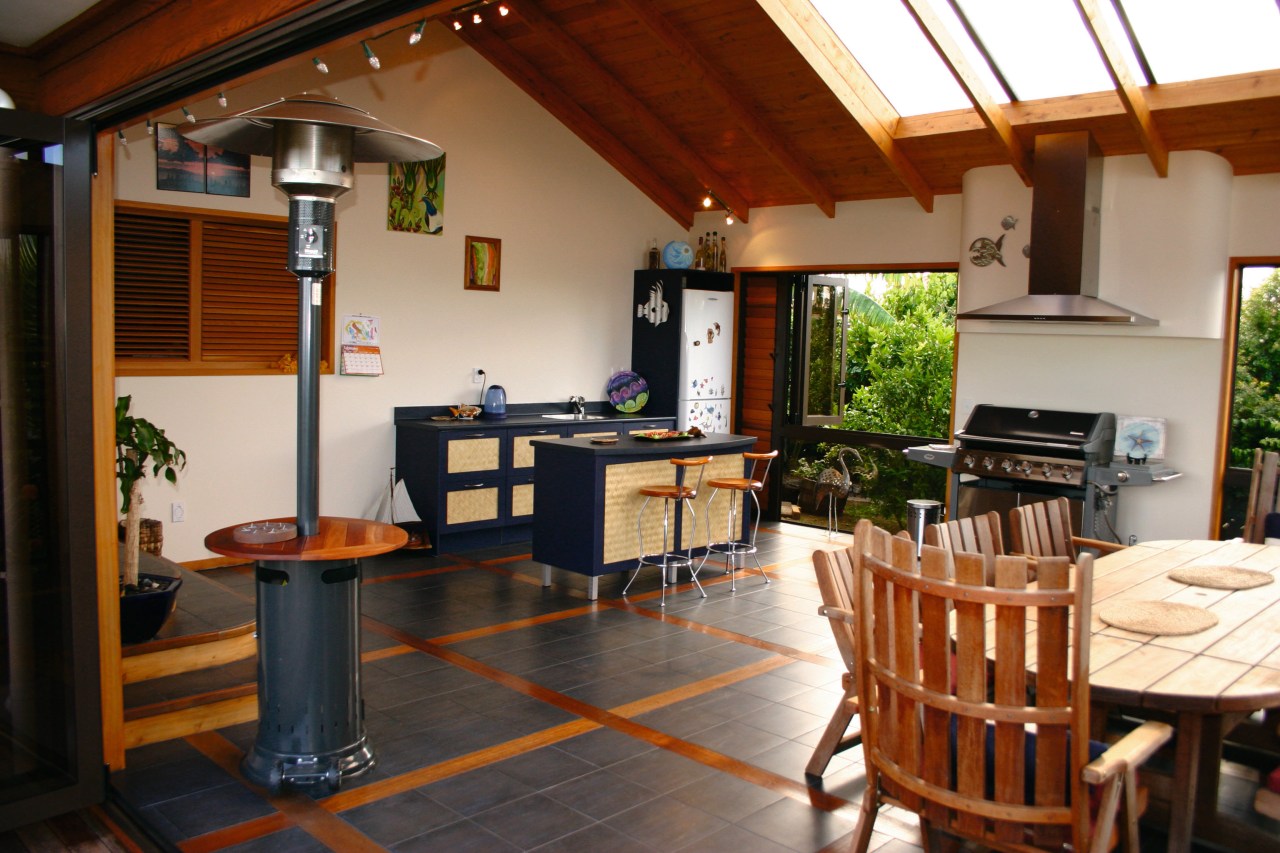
x,y
682,345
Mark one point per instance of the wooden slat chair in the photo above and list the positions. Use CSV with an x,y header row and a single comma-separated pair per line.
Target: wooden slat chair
x,y
1043,529
977,534
976,757
834,570
1262,494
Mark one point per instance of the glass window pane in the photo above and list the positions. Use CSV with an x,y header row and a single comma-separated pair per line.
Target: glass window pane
x,y
1192,41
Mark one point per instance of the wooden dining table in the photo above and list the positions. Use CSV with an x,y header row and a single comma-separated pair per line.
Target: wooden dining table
x,y
1205,683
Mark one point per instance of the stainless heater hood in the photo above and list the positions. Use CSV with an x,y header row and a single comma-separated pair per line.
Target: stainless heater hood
x,y
1065,234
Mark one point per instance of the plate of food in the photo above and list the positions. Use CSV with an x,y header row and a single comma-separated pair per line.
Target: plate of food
x,y
669,434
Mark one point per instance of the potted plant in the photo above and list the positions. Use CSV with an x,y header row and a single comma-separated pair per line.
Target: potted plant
x,y
145,600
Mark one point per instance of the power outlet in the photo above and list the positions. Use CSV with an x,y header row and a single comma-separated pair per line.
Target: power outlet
x,y
477,375
177,512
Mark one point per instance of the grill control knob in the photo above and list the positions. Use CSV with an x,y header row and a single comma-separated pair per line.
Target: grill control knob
x,y
1007,465
1046,470
1067,473
968,461
988,462
1025,467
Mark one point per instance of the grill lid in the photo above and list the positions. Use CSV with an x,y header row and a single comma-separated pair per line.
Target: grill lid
x,y
1076,435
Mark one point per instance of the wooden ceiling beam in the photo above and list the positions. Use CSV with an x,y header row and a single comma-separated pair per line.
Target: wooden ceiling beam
x,y
553,99
732,101
991,113
595,73
1131,94
851,84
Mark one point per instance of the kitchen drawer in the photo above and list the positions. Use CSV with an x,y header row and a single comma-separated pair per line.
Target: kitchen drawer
x,y
470,505
472,453
634,427
520,499
520,449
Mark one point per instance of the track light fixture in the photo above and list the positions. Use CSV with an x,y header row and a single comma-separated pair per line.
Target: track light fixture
x,y
473,8
416,35
222,99
457,25
320,66
150,128
120,133
374,62
712,199
189,116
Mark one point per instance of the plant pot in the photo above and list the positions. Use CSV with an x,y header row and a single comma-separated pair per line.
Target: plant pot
x,y
143,613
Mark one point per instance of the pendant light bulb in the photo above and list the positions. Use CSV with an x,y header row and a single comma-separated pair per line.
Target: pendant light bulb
x,y
706,202
476,19
222,99
320,66
150,128
416,35
728,217
189,116
120,133
374,62
457,25
503,10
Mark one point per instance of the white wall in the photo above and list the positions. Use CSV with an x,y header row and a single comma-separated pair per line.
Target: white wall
x,y
573,230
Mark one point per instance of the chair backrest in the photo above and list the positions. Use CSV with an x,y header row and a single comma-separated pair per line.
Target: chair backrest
x,y
683,465
950,728
977,534
1262,494
834,570
1042,529
760,462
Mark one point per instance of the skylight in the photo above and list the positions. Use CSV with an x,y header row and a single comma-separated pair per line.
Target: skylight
x,y
1043,49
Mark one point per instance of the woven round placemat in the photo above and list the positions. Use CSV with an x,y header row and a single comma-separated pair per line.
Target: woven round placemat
x,y
1221,577
1157,617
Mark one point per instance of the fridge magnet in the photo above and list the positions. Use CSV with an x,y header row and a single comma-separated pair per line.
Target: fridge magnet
x,y
484,263
1140,440
415,197
179,161
226,172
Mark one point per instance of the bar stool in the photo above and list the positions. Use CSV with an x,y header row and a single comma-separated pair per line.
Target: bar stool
x,y
733,548
670,562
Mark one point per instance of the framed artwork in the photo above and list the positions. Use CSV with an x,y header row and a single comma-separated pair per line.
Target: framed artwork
x,y
415,197
179,161
1140,440
226,172
484,263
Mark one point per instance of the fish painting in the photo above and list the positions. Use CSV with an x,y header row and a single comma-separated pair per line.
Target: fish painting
x,y
656,310
984,251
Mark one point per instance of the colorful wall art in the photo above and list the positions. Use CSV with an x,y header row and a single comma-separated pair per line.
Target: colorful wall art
x,y
415,200
189,167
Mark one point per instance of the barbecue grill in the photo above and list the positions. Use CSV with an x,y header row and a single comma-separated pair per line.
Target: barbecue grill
x,y
1007,456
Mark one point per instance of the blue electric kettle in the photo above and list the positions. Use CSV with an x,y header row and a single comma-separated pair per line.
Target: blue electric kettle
x,y
495,402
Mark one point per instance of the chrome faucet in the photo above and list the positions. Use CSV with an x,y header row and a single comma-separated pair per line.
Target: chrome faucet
x,y
579,404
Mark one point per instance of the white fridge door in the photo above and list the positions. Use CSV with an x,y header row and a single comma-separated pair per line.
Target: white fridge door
x,y
709,414
706,359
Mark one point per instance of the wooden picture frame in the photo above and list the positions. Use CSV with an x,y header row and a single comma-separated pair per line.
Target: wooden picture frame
x,y
483,263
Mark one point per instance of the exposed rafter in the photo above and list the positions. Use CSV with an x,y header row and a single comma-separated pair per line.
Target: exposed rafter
x,y
518,70
847,79
731,101
989,110
587,66
1131,94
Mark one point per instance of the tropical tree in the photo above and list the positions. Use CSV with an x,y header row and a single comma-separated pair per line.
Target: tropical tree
x,y
1255,414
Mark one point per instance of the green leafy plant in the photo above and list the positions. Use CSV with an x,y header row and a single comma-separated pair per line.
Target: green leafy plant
x,y
140,445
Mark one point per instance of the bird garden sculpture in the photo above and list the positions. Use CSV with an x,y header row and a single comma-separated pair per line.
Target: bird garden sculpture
x,y
836,485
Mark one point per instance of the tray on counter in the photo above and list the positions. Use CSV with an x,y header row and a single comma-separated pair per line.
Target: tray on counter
x,y
663,436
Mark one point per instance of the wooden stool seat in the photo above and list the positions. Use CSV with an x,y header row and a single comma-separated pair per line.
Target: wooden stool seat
x,y
733,547
670,562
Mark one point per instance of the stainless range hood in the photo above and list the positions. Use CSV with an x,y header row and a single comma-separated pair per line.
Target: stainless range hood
x,y
1065,233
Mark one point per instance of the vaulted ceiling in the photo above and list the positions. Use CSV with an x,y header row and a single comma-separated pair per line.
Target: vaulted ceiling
x,y
752,100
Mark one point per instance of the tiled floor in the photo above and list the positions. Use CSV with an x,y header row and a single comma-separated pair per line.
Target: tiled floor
x,y
506,716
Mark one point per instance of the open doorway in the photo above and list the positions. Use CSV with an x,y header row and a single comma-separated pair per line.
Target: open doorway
x,y
861,366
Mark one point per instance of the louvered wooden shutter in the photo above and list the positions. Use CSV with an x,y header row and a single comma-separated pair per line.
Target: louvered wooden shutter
x,y
153,286
249,301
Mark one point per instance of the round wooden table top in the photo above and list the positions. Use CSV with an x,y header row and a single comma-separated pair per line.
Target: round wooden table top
x,y
337,539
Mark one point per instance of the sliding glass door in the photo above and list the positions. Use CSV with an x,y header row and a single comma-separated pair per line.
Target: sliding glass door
x,y
50,735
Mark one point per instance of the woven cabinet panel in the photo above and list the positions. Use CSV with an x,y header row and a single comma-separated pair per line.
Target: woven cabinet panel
x,y
522,500
622,503
474,454
522,449
467,505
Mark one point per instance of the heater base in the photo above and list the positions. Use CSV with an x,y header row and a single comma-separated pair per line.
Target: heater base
x,y
273,770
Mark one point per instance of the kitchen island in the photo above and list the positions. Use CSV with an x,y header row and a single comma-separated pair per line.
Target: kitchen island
x,y
585,515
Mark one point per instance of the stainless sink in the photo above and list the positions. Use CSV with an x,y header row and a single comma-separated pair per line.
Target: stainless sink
x,y
572,417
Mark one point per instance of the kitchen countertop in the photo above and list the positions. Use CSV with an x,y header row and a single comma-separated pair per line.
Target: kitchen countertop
x,y
530,416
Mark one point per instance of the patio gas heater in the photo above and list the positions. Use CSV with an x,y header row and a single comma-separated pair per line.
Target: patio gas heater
x,y
310,713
